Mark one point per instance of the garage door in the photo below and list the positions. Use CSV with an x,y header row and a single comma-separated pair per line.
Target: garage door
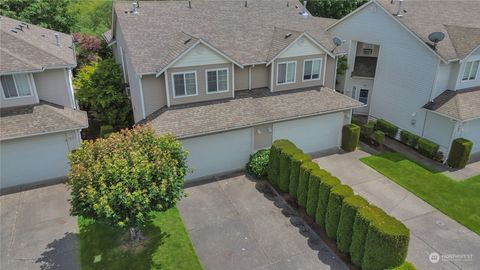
x,y
218,153
471,131
34,159
312,134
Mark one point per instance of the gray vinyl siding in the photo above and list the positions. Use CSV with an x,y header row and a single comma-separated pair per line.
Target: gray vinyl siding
x,y
330,71
241,78
52,86
299,83
154,93
405,72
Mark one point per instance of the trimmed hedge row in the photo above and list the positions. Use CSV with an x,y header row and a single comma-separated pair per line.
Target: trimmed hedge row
x,y
366,130
388,128
374,239
350,137
459,153
427,148
409,138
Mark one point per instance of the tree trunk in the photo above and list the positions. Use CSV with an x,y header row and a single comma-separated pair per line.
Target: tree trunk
x,y
135,234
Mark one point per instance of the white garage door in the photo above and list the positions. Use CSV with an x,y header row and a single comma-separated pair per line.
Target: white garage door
x,y
218,153
471,131
33,159
312,134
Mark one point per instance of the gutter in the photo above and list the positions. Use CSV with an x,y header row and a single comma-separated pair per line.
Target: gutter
x,y
42,133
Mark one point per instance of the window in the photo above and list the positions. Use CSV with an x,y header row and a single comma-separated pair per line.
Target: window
x,y
185,84
217,80
470,72
286,72
15,85
363,97
311,69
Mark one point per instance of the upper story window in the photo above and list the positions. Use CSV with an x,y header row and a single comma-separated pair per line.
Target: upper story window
x,y
286,72
470,71
17,85
217,80
311,69
185,84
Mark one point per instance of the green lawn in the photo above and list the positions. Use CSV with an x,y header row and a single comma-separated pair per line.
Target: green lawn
x,y
459,200
168,246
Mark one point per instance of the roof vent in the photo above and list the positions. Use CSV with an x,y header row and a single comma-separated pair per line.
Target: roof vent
x,y
399,10
246,3
57,39
304,12
288,4
288,35
134,8
189,4
186,41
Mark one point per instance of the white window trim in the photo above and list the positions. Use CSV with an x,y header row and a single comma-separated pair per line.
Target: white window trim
x,y
319,73
471,67
206,81
184,84
294,74
30,84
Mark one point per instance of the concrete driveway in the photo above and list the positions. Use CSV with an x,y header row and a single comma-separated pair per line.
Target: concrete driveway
x,y
431,230
37,231
236,223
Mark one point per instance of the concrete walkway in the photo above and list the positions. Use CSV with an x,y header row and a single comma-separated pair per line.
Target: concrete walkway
x,y
431,231
37,231
237,223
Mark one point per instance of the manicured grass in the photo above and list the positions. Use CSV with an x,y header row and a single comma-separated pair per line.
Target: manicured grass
x,y
167,246
459,200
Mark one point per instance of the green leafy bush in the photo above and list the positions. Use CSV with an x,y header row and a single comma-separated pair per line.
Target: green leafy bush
x,y
334,208
363,218
409,138
404,266
386,244
274,160
379,137
302,192
388,128
297,161
350,207
350,137
366,130
120,180
326,184
427,148
257,165
356,120
316,177
286,155
459,153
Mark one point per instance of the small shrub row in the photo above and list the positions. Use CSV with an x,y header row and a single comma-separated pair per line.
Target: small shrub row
x,y
366,130
388,128
409,138
350,137
374,239
427,148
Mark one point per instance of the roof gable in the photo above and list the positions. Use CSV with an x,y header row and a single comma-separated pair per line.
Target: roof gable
x,y
200,55
302,46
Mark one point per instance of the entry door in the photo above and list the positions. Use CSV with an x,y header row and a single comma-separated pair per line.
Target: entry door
x,y
361,94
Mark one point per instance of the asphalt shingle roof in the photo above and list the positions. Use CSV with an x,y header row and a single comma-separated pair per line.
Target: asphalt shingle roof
x,y
460,105
248,108
32,48
37,119
245,34
458,19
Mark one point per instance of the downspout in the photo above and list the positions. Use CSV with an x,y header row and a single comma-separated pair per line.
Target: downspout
x,y
250,78
431,97
141,97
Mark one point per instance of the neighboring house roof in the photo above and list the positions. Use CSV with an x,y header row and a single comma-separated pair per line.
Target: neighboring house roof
x,y
245,34
30,120
248,108
457,19
460,105
32,48
326,22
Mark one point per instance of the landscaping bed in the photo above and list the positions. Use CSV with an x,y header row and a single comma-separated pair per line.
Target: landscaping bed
x,y
458,199
166,245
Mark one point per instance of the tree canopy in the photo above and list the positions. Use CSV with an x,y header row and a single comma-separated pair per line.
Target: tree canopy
x,y
335,9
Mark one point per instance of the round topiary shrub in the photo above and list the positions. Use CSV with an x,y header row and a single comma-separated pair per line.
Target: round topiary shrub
x,y
274,160
257,165
386,244
297,160
286,155
364,217
349,210
316,177
302,191
325,186
334,207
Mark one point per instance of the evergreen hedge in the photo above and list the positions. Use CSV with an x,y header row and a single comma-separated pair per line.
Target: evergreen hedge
x,y
366,130
302,192
350,137
297,160
363,218
388,128
326,184
286,154
404,266
386,244
334,208
350,207
459,153
427,148
274,160
379,137
316,177
409,138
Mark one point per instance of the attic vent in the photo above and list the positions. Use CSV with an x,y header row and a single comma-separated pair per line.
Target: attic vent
x,y
186,41
288,35
14,31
